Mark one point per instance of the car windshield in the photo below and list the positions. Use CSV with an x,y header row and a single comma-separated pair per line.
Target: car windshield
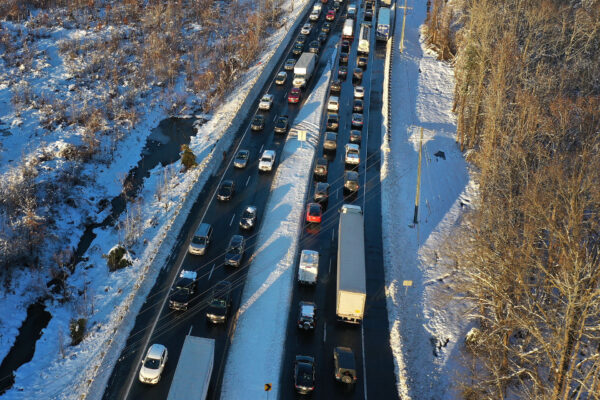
x,y
248,214
183,287
152,363
235,250
199,240
218,303
314,209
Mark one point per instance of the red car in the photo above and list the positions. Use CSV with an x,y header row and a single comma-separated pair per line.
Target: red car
x,y
314,212
295,95
324,1
330,15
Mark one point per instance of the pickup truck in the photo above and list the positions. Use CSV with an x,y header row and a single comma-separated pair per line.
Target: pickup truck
x,y
267,160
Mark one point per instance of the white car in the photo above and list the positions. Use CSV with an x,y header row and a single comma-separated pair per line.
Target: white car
x,y
267,160
314,15
333,104
153,364
306,29
359,92
352,154
266,102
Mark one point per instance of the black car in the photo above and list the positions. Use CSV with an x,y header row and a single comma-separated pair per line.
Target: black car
x,y
258,123
357,120
321,192
357,74
235,251
321,168
301,39
304,374
355,136
342,72
351,181
344,365
306,317
333,122
182,292
330,141
336,86
289,64
226,190
322,37
297,49
345,46
326,27
344,58
357,106
362,62
369,12
337,5
248,220
220,302
281,125
313,47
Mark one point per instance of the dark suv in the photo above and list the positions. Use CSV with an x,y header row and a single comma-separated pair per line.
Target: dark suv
x,y
182,292
321,168
220,302
235,251
344,365
306,317
333,121
351,182
304,374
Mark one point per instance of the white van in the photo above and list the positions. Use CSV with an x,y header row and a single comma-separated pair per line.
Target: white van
x,y
308,268
201,239
333,104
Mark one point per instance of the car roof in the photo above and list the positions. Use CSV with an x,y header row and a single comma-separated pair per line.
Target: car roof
x,y
314,207
322,185
156,350
352,174
307,308
251,208
352,146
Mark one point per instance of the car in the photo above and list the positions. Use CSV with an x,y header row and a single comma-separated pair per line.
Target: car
x,y
357,74
306,315
235,251
337,5
324,1
344,365
352,10
226,190
248,220
304,374
333,104
281,78
326,27
181,294
201,239
333,122
266,102
330,142
241,159
322,38
330,15
342,72
301,39
352,156
281,124
295,95
357,120
153,364
361,62
351,181
344,58
289,65
355,136
306,28
321,192
336,86
267,160
314,211
345,46
313,47
314,15
258,123
358,106
369,12
359,92
297,49
320,169
220,303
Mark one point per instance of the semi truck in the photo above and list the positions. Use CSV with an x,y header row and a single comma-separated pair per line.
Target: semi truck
x,y
194,369
351,286
383,24
304,69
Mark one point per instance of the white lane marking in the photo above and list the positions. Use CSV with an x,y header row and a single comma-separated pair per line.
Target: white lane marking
x,y
329,273
190,331
274,118
261,149
324,332
332,233
211,271
247,180
232,217
362,338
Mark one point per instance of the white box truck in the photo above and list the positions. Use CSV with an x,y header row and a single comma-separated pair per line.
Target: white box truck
x,y
351,286
308,268
348,29
194,369
304,69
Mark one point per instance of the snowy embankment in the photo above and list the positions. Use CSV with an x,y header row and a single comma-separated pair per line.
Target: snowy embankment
x,y
426,327
113,299
256,350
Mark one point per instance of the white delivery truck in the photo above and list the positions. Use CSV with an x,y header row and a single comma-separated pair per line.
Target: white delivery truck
x,y
194,369
308,269
348,29
351,286
304,69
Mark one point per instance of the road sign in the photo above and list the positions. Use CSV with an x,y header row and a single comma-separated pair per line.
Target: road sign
x,y
302,135
268,387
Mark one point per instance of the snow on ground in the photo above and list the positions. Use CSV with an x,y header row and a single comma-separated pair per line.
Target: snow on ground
x,y
426,327
256,351
112,300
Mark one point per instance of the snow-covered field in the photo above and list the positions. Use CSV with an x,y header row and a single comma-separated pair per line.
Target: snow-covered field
x,y
110,300
426,328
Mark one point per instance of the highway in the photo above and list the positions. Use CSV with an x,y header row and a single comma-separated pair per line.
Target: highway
x,y
156,323
369,341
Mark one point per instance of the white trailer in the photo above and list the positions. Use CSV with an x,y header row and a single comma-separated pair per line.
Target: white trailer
x,y
308,268
348,29
304,69
351,289
194,369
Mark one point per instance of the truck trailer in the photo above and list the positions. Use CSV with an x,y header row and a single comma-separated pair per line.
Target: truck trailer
x,y
351,286
194,369
304,69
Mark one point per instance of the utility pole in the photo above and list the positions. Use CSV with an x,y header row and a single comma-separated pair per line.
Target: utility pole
x,y
405,7
418,179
